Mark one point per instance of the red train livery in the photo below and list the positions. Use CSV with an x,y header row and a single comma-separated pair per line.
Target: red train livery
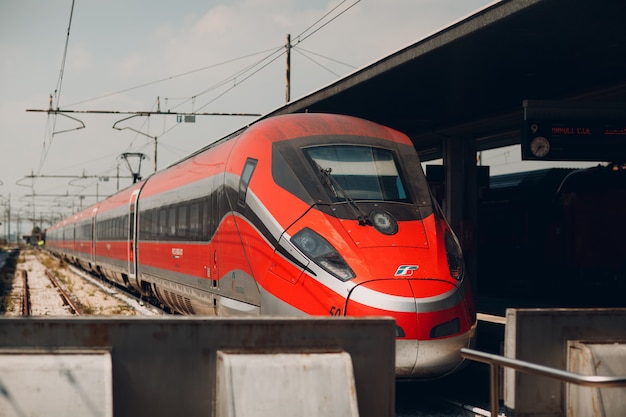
x,y
302,214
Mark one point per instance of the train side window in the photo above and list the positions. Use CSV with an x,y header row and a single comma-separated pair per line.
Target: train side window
x,y
122,227
194,220
154,223
144,224
171,221
181,221
244,181
162,222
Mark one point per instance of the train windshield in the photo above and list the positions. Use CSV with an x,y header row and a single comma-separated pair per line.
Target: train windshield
x,y
358,172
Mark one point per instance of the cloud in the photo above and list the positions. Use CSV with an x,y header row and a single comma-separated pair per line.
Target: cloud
x,y
130,66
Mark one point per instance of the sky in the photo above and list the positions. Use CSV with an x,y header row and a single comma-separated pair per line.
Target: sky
x,y
183,56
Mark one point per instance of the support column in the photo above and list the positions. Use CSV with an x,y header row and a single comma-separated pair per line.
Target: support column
x,y
461,198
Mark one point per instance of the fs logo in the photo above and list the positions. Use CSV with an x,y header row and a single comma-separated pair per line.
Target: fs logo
x,y
405,270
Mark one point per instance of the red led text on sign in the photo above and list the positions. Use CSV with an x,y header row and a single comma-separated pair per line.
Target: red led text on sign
x,y
571,131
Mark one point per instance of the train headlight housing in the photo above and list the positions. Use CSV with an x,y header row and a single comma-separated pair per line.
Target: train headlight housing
x,y
456,264
316,248
384,222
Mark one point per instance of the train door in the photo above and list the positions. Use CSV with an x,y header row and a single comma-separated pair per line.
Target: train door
x,y
74,245
132,238
212,224
93,238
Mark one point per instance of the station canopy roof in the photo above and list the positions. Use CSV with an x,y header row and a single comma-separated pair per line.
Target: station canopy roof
x,y
470,79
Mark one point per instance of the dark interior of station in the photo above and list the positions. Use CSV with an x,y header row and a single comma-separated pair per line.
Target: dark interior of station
x,y
555,237
551,237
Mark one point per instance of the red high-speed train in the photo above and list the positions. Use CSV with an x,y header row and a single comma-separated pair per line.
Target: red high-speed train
x,y
302,214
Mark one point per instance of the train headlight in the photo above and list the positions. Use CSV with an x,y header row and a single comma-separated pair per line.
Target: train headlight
x,y
455,256
384,222
316,248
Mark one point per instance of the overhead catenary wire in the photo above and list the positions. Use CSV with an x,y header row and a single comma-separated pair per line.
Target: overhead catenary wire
x,y
315,62
303,51
241,80
57,91
273,56
301,36
233,81
235,78
51,124
172,77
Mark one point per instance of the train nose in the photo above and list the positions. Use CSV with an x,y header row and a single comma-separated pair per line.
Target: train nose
x,y
432,322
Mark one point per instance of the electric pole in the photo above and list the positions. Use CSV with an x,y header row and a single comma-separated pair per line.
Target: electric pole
x,y
9,220
288,70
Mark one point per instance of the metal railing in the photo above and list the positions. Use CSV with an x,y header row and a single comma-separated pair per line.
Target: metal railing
x,y
496,361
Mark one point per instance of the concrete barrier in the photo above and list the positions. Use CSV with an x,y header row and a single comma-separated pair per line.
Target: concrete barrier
x,y
541,336
70,383
285,385
596,359
169,366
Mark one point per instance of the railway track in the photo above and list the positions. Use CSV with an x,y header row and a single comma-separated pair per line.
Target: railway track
x,y
73,308
67,300
43,286
42,295
25,295
123,294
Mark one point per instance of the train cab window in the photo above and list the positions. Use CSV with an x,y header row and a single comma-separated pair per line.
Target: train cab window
x,y
244,181
358,172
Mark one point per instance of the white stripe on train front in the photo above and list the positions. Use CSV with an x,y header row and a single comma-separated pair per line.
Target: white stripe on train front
x,y
379,300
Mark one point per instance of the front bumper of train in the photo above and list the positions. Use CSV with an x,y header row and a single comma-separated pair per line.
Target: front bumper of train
x,y
434,320
431,358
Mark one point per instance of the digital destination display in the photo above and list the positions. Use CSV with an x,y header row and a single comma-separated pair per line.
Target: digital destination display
x,y
570,133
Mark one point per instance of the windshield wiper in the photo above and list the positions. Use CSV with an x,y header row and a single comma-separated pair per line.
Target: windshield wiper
x,y
334,186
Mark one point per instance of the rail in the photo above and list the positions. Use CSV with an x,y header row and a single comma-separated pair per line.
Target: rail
x,y
67,300
25,294
496,361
